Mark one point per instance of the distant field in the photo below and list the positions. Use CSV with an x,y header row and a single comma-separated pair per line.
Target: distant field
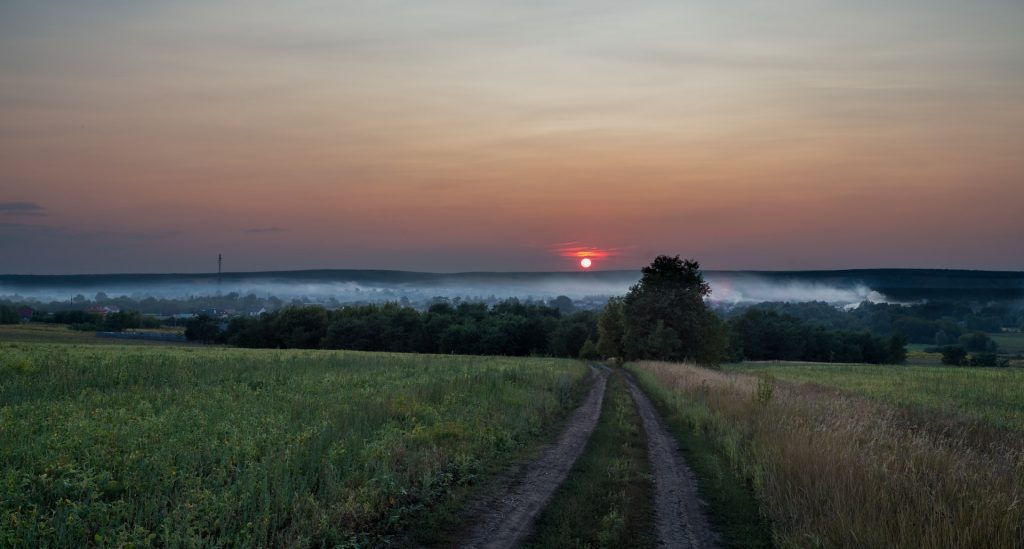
x,y
1009,343
995,395
917,354
180,446
59,333
45,333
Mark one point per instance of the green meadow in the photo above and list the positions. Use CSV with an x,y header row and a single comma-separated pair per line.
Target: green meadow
x,y
117,445
47,333
1010,343
61,333
994,395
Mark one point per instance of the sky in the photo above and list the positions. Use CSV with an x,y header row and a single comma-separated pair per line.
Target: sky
x,y
146,136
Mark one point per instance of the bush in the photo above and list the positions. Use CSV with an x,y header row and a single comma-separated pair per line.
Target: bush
x,y
8,315
954,355
123,320
81,318
203,329
897,349
978,342
589,351
983,359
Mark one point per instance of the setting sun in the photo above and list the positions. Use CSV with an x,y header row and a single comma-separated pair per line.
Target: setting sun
x,y
585,263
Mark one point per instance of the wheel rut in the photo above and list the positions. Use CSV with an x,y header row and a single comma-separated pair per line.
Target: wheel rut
x,y
680,520
512,513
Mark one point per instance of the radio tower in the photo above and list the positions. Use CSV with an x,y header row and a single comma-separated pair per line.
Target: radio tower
x,y
220,259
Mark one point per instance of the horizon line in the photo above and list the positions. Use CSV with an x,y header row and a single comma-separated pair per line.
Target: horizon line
x,y
452,273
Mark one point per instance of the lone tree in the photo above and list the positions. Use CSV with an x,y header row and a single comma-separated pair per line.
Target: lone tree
x,y
665,316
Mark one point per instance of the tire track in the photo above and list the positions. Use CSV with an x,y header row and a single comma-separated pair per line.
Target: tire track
x,y
513,512
679,517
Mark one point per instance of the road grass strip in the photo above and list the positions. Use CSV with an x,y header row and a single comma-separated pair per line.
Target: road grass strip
x,y
680,517
710,450
608,498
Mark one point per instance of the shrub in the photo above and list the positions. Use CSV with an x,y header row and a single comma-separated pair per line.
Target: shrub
x,y
983,359
203,329
977,342
589,351
954,355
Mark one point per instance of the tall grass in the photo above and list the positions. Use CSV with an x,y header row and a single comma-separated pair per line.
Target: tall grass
x,y
195,446
837,470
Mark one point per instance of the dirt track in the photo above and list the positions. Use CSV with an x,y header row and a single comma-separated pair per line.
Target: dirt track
x,y
512,513
679,519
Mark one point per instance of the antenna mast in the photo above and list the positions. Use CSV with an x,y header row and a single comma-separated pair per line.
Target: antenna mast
x,y
220,259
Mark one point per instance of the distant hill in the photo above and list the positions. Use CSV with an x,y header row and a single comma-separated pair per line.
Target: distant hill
x,y
315,275
907,284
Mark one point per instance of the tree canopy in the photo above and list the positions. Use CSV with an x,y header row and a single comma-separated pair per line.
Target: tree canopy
x,y
665,317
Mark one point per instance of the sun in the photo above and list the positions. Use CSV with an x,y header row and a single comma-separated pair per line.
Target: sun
x,y
585,263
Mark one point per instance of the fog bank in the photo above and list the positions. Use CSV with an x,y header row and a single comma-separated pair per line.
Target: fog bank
x,y
339,287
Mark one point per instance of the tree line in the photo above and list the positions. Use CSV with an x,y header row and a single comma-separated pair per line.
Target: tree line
x,y
510,328
937,323
665,316
764,334
84,320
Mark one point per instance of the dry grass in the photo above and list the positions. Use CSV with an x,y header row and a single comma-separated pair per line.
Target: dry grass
x,y
835,470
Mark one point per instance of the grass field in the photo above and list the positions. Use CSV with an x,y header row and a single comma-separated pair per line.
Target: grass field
x,y
1009,343
114,445
834,468
607,500
45,333
995,395
60,333
919,355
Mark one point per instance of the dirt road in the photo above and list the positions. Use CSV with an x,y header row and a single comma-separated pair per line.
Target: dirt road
x,y
513,512
679,518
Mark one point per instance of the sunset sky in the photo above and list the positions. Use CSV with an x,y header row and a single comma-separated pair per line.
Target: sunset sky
x,y
140,136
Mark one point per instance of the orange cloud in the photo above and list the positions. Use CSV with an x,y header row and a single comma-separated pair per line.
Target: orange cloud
x,y
576,250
